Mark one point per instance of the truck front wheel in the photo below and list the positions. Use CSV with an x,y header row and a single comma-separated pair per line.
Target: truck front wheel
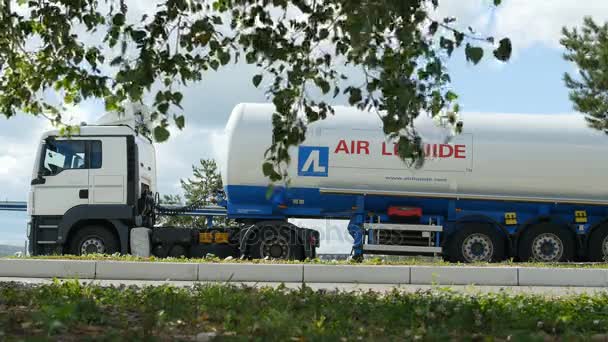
x,y
93,240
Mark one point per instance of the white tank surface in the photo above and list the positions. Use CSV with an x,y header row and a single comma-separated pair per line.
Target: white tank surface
x,y
527,157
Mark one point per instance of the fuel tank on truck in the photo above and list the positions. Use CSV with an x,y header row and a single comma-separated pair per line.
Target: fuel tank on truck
x,y
521,157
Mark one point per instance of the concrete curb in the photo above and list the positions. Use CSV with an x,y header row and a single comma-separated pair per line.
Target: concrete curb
x,y
32,268
356,274
128,270
563,277
287,273
307,273
455,275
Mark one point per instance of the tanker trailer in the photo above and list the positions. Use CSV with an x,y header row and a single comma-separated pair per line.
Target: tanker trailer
x,y
527,186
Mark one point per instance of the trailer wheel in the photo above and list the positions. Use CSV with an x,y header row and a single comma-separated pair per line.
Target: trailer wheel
x,y
598,245
476,242
547,242
93,240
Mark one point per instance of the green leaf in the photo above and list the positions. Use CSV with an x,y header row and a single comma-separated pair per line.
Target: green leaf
x,y
355,96
257,79
180,121
447,44
267,169
497,2
323,84
503,52
433,27
177,98
473,54
161,134
451,96
458,37
118,19
138,35
116,61
224,57
323,33
163,107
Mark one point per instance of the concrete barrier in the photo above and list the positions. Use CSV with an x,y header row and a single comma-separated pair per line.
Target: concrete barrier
x,y
308,273
288,273
32,268
146,270
458,275
356,274
531,276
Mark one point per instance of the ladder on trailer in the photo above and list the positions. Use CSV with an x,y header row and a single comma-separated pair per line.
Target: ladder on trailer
x,y
425,238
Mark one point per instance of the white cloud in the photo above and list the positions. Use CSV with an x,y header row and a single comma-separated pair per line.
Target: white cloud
x,y
17,151
540,22
527,22
174,158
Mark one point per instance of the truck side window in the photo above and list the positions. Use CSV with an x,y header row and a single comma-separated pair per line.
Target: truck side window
x,y
96,155
62,155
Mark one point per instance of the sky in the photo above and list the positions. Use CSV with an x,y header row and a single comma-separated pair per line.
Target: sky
x,y
531,82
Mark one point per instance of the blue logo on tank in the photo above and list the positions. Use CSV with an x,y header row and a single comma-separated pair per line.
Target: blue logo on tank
x,y
313,161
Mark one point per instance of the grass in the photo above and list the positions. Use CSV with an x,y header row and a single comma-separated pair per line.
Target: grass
x,y
413,261
72,311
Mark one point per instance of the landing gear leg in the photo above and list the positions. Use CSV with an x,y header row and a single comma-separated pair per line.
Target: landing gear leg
x,y
355,230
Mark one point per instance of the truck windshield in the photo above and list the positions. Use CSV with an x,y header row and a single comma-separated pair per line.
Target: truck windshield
x,y
61,155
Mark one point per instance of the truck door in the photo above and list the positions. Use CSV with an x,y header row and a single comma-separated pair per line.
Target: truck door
x,y
64,177
108,172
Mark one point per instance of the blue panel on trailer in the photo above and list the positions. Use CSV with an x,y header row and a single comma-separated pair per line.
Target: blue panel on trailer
x,y
252,201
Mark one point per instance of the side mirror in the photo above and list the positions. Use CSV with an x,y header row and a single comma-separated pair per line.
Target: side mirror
x,y
38,180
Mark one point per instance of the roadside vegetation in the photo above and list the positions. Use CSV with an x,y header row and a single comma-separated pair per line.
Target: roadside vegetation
x,y
72,311
414,261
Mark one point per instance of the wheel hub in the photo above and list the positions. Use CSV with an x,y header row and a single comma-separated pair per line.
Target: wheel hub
x,y
91,246
275,247
477,247
547,247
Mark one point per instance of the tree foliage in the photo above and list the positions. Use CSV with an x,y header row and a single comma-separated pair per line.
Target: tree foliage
x,y
587,47
398,46
199,190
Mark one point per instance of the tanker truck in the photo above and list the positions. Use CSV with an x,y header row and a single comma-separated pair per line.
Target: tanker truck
x,y
527,187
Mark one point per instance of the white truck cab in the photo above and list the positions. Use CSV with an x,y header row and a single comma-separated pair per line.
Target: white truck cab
x,y
89,189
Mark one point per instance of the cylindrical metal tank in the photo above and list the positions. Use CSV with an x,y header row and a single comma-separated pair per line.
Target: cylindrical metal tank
x,y
521,157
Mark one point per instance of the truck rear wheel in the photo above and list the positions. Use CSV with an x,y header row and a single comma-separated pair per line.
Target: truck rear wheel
x,y
93,240
547,242
274,242
475,242
598,244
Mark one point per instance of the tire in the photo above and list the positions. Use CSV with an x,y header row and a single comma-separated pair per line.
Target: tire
x,y
598,244
93,239
475,242
547,242
275,242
